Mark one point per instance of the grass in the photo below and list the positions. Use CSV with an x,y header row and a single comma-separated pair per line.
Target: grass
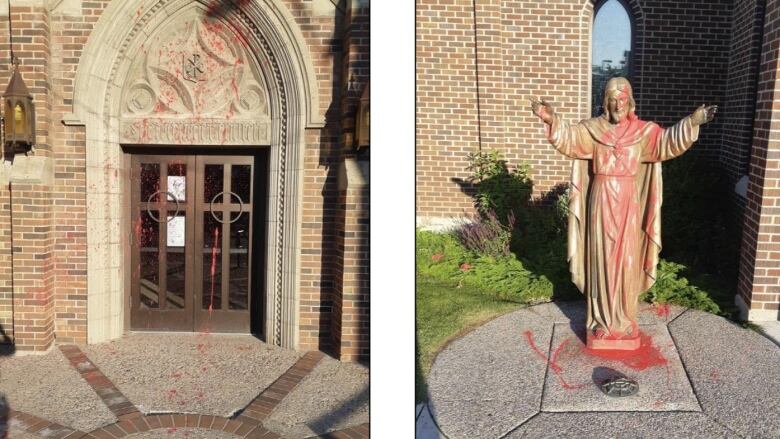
x,y
445,312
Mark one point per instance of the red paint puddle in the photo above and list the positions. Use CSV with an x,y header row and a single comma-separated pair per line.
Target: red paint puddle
x,y
646,356
557,370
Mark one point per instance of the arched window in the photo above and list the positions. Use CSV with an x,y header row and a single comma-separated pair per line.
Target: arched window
x,y
612,47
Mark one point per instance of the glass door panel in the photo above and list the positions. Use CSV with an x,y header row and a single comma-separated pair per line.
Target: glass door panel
x,y
160,289
223,192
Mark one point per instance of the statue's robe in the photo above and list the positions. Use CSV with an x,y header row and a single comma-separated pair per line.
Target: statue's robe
x,y
614,212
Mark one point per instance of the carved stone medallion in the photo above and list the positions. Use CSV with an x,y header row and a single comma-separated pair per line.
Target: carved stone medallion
x,y
192,67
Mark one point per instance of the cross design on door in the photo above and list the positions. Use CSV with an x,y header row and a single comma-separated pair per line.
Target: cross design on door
x,y
193,67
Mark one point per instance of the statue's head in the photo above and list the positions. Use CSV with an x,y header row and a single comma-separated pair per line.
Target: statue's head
x,y
619,100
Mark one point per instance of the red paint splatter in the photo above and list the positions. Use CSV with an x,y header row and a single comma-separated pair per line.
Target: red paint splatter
x,y
557,370
213,268
465,267
437,257
648,355
662,309
176,375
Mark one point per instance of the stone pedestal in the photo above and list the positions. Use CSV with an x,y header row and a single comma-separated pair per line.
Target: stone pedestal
x,y
625,344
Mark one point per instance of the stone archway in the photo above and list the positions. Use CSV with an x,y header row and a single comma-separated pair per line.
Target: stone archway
x,y
281,61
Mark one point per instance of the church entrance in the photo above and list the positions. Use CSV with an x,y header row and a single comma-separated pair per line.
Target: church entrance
x,y
197,242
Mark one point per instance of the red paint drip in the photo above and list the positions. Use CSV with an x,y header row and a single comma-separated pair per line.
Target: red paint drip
x,y
662,309
213,268
645,357
557,370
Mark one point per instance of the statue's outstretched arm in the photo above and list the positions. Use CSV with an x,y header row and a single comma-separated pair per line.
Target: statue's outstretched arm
x,y
573,141
664,144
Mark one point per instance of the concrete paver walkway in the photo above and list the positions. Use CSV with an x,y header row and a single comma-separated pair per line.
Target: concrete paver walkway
x,y
528,375
147,386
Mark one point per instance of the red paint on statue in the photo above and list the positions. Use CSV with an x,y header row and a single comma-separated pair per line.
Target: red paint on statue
x,y
648,355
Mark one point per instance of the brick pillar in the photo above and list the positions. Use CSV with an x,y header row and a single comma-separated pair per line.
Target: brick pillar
x,y
6,293
759,273
33,273
349,321
31,177
351,301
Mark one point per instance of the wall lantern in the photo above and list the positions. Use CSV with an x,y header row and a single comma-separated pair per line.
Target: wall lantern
x,y
362,124
19,116
18,134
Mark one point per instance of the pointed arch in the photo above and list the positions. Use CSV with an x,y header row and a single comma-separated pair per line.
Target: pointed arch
x,y
283,59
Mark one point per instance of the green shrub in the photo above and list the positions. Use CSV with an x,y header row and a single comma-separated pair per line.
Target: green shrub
x,y
497,189
441,256
486,235
671,287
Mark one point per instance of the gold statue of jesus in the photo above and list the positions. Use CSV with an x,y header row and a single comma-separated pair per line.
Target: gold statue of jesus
x,y
614,205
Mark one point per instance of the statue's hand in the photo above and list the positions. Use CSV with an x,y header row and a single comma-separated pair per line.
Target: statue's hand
x,y
543,110
704,114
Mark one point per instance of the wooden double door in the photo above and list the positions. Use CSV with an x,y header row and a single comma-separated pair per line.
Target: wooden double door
x,y
193,234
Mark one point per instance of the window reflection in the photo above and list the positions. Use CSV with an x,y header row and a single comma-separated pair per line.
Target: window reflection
x,y
611,49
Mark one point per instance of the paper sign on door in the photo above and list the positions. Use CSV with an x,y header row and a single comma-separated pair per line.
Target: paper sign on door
x,y
177,187
176,226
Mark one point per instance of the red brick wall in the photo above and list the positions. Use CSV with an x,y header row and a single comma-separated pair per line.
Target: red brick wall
x,y
350,264
30,210
69,35
446,113
528,49
759,282
739,103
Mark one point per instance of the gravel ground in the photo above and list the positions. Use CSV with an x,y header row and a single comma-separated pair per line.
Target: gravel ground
x,y
47,386
212,374
182,433
332,397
